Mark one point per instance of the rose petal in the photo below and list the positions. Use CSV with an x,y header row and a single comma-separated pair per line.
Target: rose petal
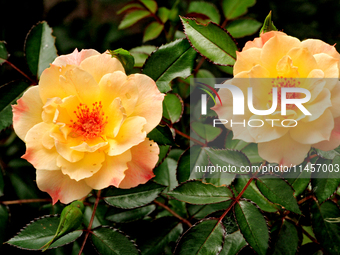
x,y
330,67
117,115
27,112
61,187
300,57
246,60
284,151
286,68
74,58
334,140
335,99
260,41
112,171
318,106
144,159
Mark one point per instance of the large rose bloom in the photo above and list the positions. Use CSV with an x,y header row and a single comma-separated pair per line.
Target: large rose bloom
x,y
85,126
278,60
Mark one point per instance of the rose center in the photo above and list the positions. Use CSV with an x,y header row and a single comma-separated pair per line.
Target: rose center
x,y
281,82
90,123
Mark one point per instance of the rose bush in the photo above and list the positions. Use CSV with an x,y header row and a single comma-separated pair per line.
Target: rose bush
x,y
85,126
278,60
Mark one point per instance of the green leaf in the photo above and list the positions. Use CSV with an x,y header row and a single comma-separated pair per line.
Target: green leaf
x,y
39,48
121,215
125,58
160,233
172,107
326,183
206,131
163,14
327,154
4,216
87,217
243,27
211,41
196,192
130,6
299,178
230,159
279,192
286,238
135,197
253,226
233,243
268,25
205,8
110,241
226,69
163,153
200,212
3,52
141,53
234,144
251,151
253,193
205,237
133,17
172,60
10,92
151,5
161,135
39,232
235,8
326,233
2,183
194,157
152,31
166,174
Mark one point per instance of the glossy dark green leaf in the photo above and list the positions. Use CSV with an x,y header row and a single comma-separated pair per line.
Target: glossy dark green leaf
x,y
172,107
125,58
234,144
211,41
328,234
279,192
325,183
206,237
24,186
3,52
135,197
163,153
133,17
196,192
161,135
243,27
219,178
10,92
141,53
233,243
286,238
253,193
172,60
176,154
232,160
190,159
298,178
205,8
226,69
161,232
152,31
327,154
121,215
235,8
251,151
39,232
88,215
202,211
166,174
39,48
268,24
253,226
4,216
206,131
110,241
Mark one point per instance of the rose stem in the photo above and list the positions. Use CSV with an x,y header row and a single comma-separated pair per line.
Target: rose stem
x,y
33,82
173,213
24,201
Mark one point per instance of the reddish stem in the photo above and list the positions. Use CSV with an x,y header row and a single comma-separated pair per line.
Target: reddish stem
x,y
189,137
173,213
25,201
33,82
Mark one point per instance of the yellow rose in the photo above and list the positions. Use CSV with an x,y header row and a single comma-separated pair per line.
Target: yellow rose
x,y
85,126
284,61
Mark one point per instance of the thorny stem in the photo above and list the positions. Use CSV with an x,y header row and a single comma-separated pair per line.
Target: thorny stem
x,y
224,23
25,201
173,213
91,221
305,199
33,82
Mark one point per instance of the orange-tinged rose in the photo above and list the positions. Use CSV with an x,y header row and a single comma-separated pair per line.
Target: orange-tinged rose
x,y
278,60
85,125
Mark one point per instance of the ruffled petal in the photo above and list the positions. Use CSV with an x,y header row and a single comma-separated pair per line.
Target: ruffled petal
x,y
304,60
284,151
74,58
61,187
246,60
130,134
334,140
117,115
140,168
36,153
84,168
100,65
260,41
318,106
27,112
330,67
112,171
